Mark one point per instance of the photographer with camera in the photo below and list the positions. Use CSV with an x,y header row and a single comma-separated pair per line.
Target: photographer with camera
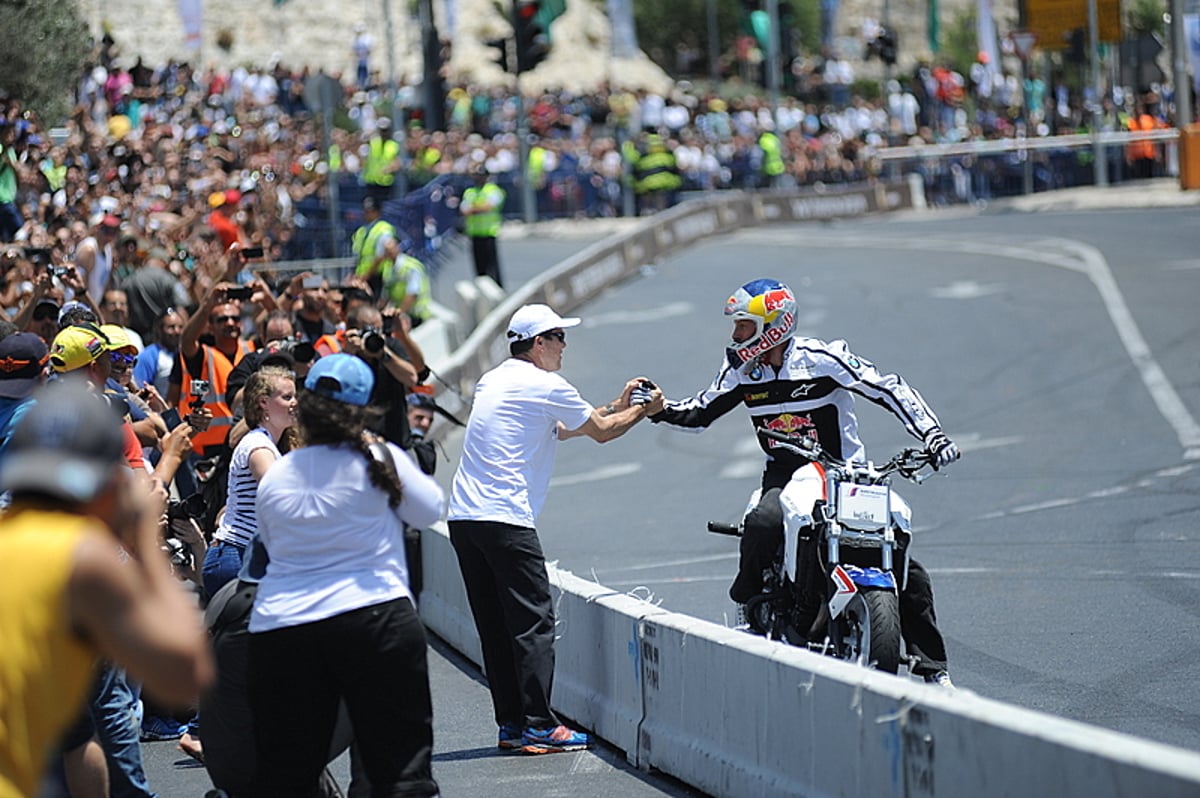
x,y
397,363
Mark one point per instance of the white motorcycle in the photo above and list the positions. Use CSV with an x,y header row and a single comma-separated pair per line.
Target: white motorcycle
x,y
835,584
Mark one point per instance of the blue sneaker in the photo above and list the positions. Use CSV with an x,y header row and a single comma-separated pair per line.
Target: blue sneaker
x,y
155,729
510,736
553,741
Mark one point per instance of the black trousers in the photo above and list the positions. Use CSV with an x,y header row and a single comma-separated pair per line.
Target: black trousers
x,y
487,259
509,592
373,659
762,535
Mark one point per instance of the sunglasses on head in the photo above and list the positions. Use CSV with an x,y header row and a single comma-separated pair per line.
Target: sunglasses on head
x,y
557,335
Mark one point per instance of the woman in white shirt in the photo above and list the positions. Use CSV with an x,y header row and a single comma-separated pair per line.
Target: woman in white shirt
x,y
269,399
333,619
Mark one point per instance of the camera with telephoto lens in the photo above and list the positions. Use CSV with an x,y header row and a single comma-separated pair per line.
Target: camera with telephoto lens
x,y
301,351
373,340
186,511
192,508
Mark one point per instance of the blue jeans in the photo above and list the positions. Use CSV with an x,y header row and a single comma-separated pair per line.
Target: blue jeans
x,y
117,713
222,562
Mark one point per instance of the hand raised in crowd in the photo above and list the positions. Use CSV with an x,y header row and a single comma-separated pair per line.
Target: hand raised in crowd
x,y
295,285
355,345
262,292
235,260
396,320
43,283
178,442
153,398
199,419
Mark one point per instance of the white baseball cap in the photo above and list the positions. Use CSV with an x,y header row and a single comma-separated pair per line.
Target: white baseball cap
x,y
532,320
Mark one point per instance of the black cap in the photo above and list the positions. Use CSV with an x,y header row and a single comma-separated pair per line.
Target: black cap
x,y
23,359
66,445
275,356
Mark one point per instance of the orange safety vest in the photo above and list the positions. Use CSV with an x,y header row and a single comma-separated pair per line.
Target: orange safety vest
x,y
329,344
1141,150
216,371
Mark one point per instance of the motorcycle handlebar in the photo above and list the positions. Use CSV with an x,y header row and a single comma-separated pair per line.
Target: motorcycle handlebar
x,y
722,528
907,463
803,446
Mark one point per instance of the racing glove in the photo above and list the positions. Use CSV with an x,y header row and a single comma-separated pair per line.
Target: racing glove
x,y
641,395
943,450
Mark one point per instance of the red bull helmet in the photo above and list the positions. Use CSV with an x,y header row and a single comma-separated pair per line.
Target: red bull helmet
x,y
771,306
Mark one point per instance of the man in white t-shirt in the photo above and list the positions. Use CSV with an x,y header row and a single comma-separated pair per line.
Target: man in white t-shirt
x,y
522,409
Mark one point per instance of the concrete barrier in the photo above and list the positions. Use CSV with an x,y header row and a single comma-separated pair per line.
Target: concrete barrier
x,y
737,715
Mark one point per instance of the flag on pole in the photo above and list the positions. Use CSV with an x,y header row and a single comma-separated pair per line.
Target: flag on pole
x,y
932,28
985,30
192,14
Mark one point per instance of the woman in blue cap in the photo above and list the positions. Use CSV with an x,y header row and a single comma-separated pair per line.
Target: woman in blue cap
x,y
333,619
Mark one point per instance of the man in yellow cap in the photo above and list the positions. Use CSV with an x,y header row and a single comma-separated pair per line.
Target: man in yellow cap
x,y
78,350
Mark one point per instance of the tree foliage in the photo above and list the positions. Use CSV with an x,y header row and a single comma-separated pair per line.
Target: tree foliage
x,y
46,43
960,41
1145,16
665,28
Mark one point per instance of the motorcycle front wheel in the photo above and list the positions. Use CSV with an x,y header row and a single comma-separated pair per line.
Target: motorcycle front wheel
x,y
873,636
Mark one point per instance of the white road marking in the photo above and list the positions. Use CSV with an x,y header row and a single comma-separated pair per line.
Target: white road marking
x,y
748,462
602,473
639,316
966,289
742,469
733,555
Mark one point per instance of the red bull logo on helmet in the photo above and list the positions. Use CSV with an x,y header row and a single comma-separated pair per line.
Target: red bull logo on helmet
x,y
777,299
769,338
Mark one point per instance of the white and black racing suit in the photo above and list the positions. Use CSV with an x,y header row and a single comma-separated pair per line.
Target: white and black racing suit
x,y
813,393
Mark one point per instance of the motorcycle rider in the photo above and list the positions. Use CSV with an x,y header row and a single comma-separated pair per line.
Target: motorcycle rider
x,y
805,385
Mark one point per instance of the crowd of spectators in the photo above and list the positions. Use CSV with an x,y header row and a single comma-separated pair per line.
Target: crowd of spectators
x,y
166,166
145,242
